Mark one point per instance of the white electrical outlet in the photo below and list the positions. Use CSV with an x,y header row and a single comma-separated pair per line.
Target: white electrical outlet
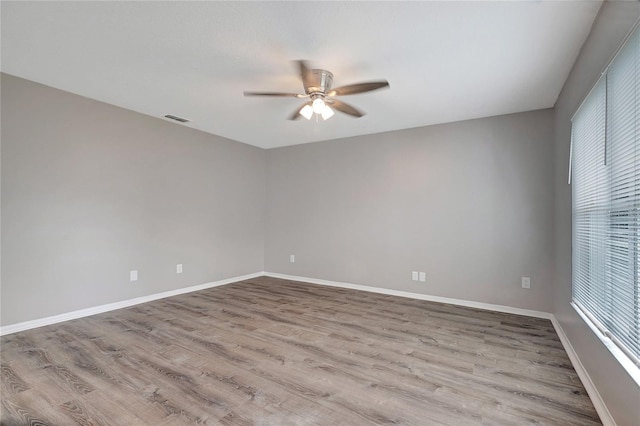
x,y
414,276
292,258
423,276
179,268
526,282
133,275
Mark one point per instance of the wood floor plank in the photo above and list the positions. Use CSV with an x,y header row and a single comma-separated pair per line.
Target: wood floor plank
x,y
274,352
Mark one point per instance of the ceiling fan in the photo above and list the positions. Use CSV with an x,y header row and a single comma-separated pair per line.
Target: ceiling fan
x,y
317,87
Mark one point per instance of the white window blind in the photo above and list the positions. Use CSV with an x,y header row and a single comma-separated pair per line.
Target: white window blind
x,y
605,169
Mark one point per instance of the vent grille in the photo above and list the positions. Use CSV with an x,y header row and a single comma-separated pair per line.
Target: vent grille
x,y
176,118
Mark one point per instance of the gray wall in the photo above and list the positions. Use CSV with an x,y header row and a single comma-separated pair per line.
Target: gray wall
x,y
469,203
91,191
618,390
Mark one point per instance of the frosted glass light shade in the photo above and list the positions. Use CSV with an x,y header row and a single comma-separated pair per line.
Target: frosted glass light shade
x,y
318,106
307,112
327,113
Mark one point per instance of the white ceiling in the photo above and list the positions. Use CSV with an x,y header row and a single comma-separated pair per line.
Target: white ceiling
x,y
445,61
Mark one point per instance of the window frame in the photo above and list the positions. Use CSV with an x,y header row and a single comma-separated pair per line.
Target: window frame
x,y
607,311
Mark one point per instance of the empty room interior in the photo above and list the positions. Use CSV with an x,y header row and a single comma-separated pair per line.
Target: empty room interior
x,y
320,213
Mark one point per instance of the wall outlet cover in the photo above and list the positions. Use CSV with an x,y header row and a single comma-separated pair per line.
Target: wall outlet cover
x,y
414,276
133,275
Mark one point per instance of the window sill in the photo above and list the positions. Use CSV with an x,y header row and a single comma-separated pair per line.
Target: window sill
x,y
630,367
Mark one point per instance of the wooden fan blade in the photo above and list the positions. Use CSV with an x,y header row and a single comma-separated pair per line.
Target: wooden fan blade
x,y
280,94
304,73
352,89
296,114
304,68
346,108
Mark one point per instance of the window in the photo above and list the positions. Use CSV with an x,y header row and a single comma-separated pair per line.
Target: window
x,y
605,173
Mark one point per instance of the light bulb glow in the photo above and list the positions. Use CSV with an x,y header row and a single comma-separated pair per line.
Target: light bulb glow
x,y
306,112
327,113
318,106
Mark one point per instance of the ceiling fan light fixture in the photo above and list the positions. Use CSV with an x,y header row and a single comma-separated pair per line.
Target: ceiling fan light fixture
x,y
317,89
318,106
327,113
307,112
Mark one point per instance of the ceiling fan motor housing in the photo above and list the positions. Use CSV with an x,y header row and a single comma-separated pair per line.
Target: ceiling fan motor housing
x,y
318,82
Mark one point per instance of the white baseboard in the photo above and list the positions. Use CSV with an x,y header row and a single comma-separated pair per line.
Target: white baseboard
x,y
596,399
459,302
27,325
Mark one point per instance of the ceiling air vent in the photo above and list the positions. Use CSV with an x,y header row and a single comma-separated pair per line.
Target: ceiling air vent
x,y
176,118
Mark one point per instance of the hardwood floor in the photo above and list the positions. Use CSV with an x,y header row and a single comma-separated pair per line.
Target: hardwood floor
x,y
274,352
